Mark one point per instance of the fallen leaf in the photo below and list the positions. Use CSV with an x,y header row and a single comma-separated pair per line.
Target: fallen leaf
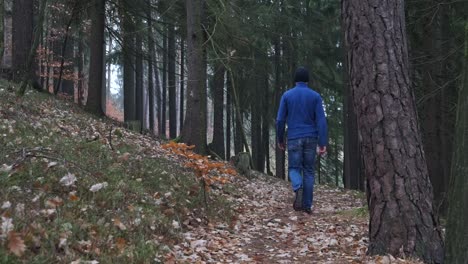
x,y
16,244
6,205
7,225
120,243
119,224
98,186
68,180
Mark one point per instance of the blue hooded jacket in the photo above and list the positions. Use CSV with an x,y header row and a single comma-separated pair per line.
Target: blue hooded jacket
x,y
302,109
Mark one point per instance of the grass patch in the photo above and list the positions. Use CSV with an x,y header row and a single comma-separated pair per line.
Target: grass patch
x,y
146,204
360,212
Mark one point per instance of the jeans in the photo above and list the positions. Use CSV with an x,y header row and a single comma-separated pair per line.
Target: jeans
x,y
301,158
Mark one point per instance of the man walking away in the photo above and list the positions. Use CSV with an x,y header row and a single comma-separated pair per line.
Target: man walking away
x,y
301,109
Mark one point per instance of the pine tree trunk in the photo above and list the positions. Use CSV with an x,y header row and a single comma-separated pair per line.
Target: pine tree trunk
x,y
401,213
139,106
457,228
21,36
238,142
152,52
228,117
182,84
266,126
80,68
28,67
164,87
171,68
96,65
218,104
2,30
128,63
194,130
352,174
280,157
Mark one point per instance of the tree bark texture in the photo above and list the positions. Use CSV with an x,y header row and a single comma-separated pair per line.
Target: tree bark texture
x,y
194,130
96,64
457,227
401,212
22,36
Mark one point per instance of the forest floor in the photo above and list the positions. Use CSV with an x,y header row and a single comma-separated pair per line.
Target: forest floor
x,y
79,189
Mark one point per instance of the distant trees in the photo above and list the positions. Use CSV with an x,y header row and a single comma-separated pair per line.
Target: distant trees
x,y
457,229
401,211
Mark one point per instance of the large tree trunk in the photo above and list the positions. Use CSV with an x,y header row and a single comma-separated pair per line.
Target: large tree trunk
x,y
457,227
194,131
22,36
171,70
28,67
96,65
401,213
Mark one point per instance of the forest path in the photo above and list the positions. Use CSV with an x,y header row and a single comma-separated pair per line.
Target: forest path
x,y
268,230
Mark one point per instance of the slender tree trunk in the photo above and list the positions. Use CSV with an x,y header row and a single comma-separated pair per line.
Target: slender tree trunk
x,y
96,65
182,84
266,126
164,86
238,142
171,69
157,88
2,29
80,67
228,117
194,130
218,105
152,52
401,213
457,228
139,76
128,50
279,154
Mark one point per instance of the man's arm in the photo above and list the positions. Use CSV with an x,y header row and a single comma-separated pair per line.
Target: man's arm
x,y
281,122
322,125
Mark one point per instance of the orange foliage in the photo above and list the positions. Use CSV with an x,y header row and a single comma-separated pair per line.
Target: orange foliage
x,y
201,164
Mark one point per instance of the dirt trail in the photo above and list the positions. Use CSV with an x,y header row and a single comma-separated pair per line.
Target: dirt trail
x,y
268,230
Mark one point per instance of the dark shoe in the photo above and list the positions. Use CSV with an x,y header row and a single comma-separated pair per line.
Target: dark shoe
x,y
297,205
308,211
